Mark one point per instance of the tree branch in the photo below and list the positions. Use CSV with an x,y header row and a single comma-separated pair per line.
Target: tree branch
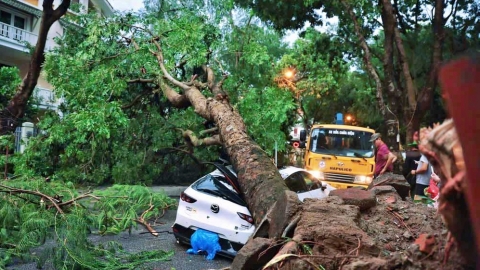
x,y
191,138
83,196
426,96
401,21
115,55
219,85
159,55
389,23
367,58
210,130
140,80
142,221
210,77
36,193
411,89
453,11
193,94
61,10
177,100
193,157
136,99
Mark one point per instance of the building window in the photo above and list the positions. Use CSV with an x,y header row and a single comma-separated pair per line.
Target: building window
x,y
7,20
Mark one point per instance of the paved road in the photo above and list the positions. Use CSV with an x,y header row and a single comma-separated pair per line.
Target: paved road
x,y
139,240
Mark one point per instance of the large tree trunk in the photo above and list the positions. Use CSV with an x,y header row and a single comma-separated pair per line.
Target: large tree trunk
x,y
425,97
16,107
258,176
391,85
367,58
267,196
391,108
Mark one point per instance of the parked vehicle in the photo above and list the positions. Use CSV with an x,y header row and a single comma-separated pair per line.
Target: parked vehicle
x,y
214,203
340,155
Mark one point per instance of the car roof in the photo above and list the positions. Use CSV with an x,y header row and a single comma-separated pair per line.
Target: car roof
x,y
217,172
289,170
336,126
284,171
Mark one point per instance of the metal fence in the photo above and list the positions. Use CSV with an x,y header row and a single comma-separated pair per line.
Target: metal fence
x,y
22,134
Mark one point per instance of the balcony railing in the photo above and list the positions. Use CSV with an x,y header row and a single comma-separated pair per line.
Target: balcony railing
x,y
19,35
44,96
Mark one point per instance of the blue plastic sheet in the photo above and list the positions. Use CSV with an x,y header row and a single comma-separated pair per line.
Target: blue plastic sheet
x,y
202,240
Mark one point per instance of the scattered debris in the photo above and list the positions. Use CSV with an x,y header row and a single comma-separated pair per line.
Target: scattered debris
x,y
338,235
425,243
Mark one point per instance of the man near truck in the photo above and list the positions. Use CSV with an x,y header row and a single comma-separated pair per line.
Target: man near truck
x,y
384,159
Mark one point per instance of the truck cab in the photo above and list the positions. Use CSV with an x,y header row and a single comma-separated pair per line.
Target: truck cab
x,y
340,155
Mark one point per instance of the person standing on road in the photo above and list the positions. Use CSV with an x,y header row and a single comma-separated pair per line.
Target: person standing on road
x,y
412,156
384,159
423,174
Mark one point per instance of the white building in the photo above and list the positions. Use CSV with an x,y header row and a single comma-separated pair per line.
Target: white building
x,y
20,23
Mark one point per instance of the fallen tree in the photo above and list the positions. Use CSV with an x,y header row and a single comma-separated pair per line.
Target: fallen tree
x,y
288,232
354,233
88,49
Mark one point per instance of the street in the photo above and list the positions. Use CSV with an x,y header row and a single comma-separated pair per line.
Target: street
x,y
141,240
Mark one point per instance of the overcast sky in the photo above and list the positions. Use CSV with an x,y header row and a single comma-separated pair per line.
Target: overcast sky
x,y
123,5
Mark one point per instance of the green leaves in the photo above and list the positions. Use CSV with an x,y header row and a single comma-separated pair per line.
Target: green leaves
x,y
120,207
28,221
9,80
264,112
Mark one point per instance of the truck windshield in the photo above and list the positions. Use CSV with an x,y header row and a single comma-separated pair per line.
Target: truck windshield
x,y
341,142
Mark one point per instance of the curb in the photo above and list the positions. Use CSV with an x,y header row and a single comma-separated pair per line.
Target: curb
x,y
171,191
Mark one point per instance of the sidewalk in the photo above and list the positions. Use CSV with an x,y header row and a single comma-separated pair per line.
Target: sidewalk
x,y
171,191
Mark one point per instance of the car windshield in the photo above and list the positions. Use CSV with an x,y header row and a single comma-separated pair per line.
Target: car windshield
x,y
296,182
218,186
341,142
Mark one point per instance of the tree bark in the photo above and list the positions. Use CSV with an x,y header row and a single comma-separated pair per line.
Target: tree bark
x,y
393,90
425,98
389,32
16,107
367,58
411,89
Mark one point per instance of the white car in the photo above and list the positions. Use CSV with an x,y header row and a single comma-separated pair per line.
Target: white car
x,y
214,203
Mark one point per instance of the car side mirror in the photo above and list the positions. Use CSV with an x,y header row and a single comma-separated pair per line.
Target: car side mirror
x,y
324,186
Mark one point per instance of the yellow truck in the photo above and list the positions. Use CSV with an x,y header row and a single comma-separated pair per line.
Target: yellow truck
x,y
340,155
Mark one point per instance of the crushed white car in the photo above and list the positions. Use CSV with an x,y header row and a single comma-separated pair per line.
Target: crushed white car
x,y
214,203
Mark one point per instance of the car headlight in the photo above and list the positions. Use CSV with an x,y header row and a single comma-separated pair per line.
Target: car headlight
x,y
317,174
362,179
